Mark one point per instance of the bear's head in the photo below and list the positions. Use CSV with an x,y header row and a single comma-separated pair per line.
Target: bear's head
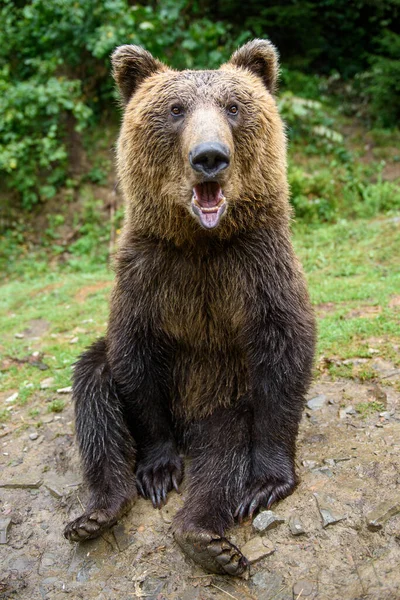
x,y
201,153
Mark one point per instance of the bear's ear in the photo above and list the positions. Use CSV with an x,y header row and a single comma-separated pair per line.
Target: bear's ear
x,y
261,58
130,66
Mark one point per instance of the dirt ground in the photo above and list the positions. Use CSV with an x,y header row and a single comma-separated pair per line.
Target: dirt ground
x,y
349,466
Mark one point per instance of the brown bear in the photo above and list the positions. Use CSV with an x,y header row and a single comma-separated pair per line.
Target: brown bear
x,y
211,335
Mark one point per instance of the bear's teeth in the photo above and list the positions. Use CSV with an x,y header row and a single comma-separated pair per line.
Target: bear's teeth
x,y
208,195
211,209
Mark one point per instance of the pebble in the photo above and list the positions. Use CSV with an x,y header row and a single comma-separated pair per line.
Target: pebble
x,y
327,511
19,336
382,513
343,412
324,471
303,589
4,527
12,398
46,383
330,462
257,548
74,340
33,436
266,520
65,390
268,586
48,419
317,402
296,526
24,485
56,493
310,464
124,539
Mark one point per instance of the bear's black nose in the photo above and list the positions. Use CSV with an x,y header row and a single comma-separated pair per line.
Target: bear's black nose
x,y
209,158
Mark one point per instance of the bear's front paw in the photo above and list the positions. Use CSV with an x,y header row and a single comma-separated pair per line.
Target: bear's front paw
x,y
93,522
263,495
158,472
89,525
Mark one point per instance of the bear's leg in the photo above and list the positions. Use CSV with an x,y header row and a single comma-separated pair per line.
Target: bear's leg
x,y
277,401
272,472
105,443
219,447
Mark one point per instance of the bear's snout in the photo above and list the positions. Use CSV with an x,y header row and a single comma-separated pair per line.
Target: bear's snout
x,y
209,158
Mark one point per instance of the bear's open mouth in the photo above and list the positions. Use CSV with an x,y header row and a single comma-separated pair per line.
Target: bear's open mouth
x,y
208,203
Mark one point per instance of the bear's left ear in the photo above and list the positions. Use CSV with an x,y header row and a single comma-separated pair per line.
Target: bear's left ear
x,y
261,58
132,65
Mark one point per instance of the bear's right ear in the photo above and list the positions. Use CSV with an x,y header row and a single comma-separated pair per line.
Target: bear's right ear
x,y
260,57
130,66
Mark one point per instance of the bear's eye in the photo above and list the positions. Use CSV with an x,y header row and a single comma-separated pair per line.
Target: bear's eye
x,y
177,111
233,109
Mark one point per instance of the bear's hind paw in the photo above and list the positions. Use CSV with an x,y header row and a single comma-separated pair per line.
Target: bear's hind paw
x,y
212,552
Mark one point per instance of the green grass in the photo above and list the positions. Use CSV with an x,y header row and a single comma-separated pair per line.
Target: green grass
x,y
353,273
72,306
366,409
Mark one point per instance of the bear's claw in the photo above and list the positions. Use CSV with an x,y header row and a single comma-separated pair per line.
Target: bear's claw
x,y
212,552
155,479
263,495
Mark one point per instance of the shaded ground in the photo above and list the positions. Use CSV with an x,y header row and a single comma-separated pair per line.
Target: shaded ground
x,y
348,461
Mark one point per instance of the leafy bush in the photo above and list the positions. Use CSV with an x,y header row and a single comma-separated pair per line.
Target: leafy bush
x,y
384,85
54,76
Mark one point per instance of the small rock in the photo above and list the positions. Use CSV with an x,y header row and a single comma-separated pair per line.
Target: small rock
x,y
330,462
16,518
123,539
378,393
343,412
74,340
33,436
48,419
65,390
12,398
152,587
268,586
317,402
257,548
4,527
56,493
296,526
19,336
23,485
303,589
310,464
382,513
266,520
47,383
324,471
327,511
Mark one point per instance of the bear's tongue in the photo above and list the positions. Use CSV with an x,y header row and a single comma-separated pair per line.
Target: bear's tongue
x,y
208,203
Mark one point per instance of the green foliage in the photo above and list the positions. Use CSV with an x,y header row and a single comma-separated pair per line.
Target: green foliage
x,y
384,85
55,84
33,154
54,75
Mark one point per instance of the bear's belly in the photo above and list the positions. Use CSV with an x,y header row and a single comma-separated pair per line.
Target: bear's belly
x,y
209,363
204,381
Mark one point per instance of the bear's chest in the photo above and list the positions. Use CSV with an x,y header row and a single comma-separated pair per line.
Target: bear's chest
x,y
203,304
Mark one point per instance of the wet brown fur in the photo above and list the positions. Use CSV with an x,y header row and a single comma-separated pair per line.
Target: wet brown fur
x,y
211,334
